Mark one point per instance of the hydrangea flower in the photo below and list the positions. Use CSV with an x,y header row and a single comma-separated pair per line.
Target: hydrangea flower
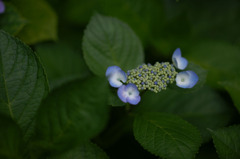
x,y
2,7
116,76
152,77
129,94
179,61
186,79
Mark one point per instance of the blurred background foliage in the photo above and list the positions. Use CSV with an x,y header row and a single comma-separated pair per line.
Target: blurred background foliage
x,y
206,31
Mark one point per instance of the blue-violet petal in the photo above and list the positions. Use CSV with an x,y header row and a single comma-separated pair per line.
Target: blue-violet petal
x,y
112,69
2,7
186,79
179,61
129,94
117,78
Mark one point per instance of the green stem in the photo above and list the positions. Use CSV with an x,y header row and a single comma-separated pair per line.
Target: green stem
x,y
127,107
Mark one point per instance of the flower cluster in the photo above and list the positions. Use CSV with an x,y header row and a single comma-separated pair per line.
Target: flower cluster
x,y
2,7
150,77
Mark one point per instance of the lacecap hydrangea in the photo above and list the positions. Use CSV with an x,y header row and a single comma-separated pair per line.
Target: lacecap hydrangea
x,y
151,77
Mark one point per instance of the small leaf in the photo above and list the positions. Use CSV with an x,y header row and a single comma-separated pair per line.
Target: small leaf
x,y
108,41
12,21
203,108
62,63
227,142
233,88
72,113
10,139
23,82
166,135
85,151
42,21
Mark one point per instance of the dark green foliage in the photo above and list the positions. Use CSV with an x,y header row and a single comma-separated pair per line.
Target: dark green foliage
x,y
166,135
23,82
110,40
68,65
233,88
82,117
10,139
87,150
41,21
203,108
72,114
219,58
227,141
12,21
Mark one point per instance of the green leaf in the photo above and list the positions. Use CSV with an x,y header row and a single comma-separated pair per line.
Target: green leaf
x,y
10,139
166,135
227,142
62,63
23,83
108,41
203,108
85,151
12,21
72,113
42,21
233,88
220,59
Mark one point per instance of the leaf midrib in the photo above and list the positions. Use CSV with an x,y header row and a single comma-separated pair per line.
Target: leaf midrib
x,y
5,85
111,50
170,135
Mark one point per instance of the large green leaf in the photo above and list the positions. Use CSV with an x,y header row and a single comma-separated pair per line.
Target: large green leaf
x,y
23,83
10,139
72,113
233,88
12,21
227,142
42,21
203,108
62,63
166,135
85,151
220,59
108,41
